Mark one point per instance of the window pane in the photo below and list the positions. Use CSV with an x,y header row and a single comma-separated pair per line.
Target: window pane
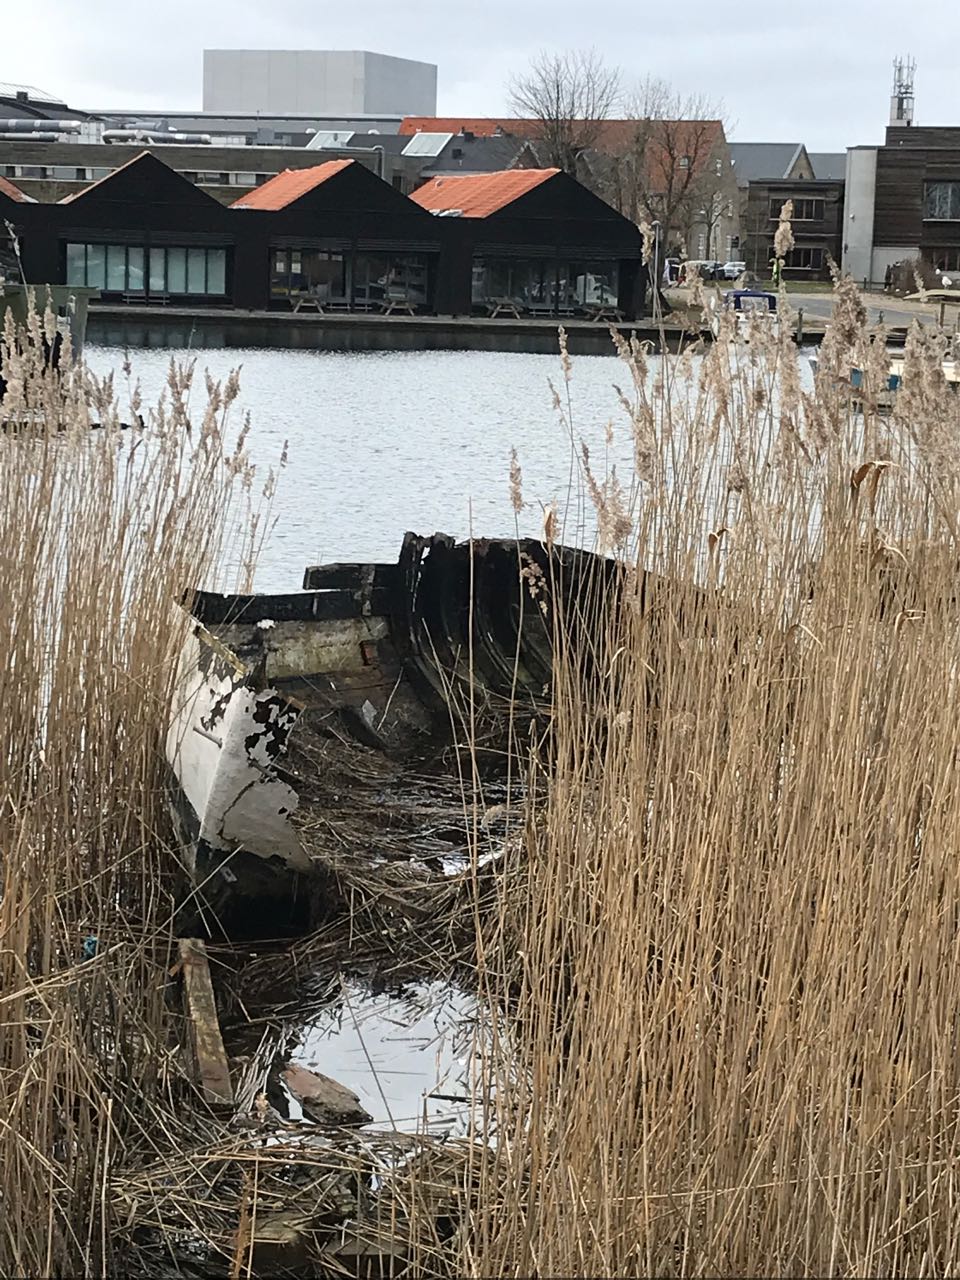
x,y
196,271
216,271
158,275
135,269
96,266
76,264
177,270
116,267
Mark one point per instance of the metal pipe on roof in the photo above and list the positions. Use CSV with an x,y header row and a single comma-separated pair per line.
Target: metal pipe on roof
x,y
17,125
34,137
155,136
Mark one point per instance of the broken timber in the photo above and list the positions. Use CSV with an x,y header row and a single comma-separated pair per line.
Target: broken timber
x,y
213,1074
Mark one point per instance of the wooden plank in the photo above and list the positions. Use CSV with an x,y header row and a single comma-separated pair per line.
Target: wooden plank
x,y
213,1074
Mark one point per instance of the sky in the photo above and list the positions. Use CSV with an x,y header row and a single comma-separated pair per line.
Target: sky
x,y
817,72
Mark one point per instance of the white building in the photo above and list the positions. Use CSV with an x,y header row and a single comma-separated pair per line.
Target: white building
x,y
317,82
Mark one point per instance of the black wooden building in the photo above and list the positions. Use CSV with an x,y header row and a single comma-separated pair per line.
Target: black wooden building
x,y
337,237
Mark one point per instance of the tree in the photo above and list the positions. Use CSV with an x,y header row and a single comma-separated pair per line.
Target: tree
x,y
671,168
568,96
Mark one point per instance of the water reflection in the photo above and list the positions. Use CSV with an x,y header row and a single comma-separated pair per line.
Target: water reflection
x,y
411,1059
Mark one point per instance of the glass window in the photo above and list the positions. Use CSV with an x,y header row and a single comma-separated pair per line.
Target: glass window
x,y
177,270
76,264
96,266
216,271
942,201
158,271
135,269
196,271
116,268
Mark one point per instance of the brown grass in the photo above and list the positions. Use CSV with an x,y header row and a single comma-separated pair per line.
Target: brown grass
x,y
102,531
732,953
719,964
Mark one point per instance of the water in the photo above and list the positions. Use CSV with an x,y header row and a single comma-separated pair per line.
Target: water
x,y
383,442
412,1059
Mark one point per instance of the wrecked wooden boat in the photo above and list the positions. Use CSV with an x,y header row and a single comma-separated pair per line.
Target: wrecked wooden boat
x,y
355,715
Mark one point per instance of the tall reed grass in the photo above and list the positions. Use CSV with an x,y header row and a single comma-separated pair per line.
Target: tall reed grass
x,y
719,962
102,531
730,955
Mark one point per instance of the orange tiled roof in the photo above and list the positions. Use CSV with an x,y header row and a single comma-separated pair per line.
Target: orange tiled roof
x,y
13,193
477,195
289,186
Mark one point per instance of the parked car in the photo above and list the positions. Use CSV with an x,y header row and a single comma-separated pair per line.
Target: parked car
x,y
733,270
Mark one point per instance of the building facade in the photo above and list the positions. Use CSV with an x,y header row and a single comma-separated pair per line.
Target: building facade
x,y
334,237
321,82
816,225
903,202
768,175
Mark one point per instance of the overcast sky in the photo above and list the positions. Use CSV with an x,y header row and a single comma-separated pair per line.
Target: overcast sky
x,y
817,72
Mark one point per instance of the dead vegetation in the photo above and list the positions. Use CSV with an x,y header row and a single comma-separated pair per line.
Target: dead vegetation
x,y
716,958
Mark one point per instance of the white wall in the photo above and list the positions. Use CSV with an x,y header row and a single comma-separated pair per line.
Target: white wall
x,y
889,256
316,82
858,203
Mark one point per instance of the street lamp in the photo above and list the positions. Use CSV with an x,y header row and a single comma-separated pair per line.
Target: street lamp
x,y
656,267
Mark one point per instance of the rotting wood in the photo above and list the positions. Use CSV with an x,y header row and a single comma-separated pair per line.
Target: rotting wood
x,y
213,1073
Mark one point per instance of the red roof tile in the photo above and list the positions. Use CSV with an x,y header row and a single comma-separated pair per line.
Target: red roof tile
x,y
477,195
289,186
13,193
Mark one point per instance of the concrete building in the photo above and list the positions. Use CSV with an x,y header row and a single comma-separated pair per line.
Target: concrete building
x,y
903,202
316,82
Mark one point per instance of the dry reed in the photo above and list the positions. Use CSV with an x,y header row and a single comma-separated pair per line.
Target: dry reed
x,y
102,531
729,957
718,962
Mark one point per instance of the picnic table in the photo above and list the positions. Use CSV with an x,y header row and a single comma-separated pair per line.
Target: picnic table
x,y
307,300
605,311
502,307
390,305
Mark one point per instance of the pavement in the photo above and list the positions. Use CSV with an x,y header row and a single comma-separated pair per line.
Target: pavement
x,y
895,313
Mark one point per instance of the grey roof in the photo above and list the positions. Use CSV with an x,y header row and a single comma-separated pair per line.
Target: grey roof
x,y
475,155
829,164
763,161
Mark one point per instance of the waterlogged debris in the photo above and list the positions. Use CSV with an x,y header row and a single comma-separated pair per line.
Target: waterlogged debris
x,y
413,1057
213,1073
324,1100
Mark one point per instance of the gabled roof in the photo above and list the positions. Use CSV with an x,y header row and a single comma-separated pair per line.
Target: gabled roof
x,y
134,175
764,161
290,185
478,195
14,193
831,165
612,136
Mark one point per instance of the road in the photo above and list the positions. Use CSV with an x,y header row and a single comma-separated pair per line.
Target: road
x,y
894,314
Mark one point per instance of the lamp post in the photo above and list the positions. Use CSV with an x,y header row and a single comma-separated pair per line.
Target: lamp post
x,y
656,267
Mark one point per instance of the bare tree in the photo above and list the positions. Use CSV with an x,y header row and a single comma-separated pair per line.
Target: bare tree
x,y
568,95
671,167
